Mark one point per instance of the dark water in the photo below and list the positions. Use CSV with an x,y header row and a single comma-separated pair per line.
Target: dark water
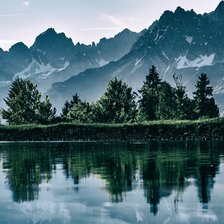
x,y
112,183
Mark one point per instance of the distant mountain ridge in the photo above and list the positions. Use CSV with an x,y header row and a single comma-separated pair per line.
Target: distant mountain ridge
x,y
54,58
181,42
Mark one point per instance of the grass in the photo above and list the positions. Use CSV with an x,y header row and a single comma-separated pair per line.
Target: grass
x,y
156,130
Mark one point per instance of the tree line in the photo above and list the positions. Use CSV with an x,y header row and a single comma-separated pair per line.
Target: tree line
x,y
156,100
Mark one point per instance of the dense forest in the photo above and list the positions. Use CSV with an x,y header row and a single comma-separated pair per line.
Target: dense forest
x,y
156,100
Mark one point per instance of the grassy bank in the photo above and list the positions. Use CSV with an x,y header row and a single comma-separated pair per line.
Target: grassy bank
x,y
156,130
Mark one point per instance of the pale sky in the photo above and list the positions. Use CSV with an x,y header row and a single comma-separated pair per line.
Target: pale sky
x,y
84,20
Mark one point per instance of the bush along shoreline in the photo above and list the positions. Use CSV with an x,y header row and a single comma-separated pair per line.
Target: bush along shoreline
x,y
207,129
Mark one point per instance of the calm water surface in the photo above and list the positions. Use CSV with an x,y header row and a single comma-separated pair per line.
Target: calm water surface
x,y
106,183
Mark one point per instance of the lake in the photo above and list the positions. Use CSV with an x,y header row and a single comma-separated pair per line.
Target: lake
x,y
112,183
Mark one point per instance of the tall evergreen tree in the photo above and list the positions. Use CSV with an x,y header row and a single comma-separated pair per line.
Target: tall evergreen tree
x,y
80,112
149,102
204,102
68,105
117,105
167,108
23,103
65,110
75,100
185,106
25,106
46,112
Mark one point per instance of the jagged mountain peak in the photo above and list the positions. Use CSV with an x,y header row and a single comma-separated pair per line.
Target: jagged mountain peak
x,y
123,33
217,15
20,46
49,31
20,51
181,42
51,39
179,10
220,8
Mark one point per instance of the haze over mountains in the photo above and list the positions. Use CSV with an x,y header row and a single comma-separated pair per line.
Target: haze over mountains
x,y
181,42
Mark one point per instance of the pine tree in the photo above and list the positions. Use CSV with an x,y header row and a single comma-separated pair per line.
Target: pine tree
x,y
167,108
46,112
204,102
117,105
149,102
80,112
23,103
25,106
68,105
75,100
65,110
185,106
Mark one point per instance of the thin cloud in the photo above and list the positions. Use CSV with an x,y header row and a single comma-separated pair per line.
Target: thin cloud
x,y
115,20
10,15
98,28
26,3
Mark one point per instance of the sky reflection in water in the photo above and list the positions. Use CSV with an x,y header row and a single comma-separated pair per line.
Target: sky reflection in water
x,y
112,183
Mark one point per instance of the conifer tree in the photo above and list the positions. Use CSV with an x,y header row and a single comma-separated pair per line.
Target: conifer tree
x,y
75,100
24,104
117,105
80,112
204,102
46,112
65,110
149,101
167,108
68,105
185,106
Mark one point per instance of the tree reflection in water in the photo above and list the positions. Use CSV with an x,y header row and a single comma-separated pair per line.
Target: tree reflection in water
x,y
158,168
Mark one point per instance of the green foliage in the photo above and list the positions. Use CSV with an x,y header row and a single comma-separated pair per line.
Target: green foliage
x,y
185,106
149,101
80,112
68,105
65,110
46,112
23,103
170,130
158,101
117,105
204,102
25,106
167,108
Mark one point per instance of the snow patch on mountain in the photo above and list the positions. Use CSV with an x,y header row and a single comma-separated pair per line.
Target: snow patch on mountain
x,y
160,34
183,62
137,65
40,69
102,62
164,54
189,39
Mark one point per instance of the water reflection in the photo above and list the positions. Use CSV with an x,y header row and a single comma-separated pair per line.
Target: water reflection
x,y
158,169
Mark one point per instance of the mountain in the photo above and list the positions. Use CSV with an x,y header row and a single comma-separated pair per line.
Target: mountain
x,y
54,58
181,42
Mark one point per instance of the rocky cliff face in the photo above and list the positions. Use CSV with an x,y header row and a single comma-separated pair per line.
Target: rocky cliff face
x,y
181,42
54,58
